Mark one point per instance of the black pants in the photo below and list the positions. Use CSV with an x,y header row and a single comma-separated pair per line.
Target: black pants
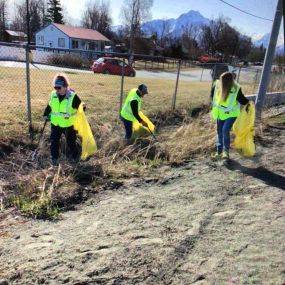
x,y
128,127
70,136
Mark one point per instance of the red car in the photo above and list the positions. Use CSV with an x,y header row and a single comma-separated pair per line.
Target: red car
x,y
109,65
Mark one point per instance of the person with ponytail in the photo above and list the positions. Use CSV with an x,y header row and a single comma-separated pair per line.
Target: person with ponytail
x,y
227,98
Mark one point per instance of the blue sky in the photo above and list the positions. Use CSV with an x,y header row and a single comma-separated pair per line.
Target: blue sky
x,y
208,8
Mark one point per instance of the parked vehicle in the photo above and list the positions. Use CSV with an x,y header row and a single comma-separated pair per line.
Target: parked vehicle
x,y
205,58
109,65
242,63
258,63
218,69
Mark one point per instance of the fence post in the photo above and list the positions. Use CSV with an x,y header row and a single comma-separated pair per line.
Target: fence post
x,y
28,89
122,86
238,74
255,81
176,86
202,73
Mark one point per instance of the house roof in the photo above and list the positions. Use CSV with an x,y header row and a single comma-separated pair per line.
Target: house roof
x,y
81,33
16,34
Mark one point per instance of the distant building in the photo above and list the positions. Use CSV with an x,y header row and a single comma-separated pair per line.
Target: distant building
x,y
14,36
72,38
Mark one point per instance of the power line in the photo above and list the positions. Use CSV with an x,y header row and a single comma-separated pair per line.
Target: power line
x,y
243,11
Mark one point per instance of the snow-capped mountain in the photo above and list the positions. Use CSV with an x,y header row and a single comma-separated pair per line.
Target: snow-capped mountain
x,y
264,40
175,27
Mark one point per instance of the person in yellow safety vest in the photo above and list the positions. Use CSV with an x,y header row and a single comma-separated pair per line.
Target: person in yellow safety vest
x,y
131,108
227,97
61,111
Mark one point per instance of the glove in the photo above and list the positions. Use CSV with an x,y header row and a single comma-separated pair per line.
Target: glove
x,y
248,105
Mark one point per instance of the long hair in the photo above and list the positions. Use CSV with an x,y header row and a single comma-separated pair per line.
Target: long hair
x,y
63,77
227,81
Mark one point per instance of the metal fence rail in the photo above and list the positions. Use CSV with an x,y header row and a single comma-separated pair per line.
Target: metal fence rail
x,y
26,74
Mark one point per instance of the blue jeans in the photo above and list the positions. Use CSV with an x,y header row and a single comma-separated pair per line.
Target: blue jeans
x,y
128,127
223,129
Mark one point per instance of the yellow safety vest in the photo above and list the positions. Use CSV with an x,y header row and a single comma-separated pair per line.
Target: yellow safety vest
x,y
228,109
126,111
62,113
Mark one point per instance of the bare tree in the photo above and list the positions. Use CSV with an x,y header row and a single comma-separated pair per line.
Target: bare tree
x,y
221,38
37,11
134,13
97,16
3,18
189,37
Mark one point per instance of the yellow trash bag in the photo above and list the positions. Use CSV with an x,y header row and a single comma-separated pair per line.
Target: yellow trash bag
x,y
139,130
81,125
243,130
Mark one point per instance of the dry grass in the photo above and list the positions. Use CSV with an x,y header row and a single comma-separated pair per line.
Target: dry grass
x,y
40,191
100,92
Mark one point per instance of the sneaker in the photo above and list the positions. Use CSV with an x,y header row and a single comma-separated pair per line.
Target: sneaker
x,y
225,155
215,156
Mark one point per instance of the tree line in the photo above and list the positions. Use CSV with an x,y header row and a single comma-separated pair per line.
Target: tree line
x,y
218,38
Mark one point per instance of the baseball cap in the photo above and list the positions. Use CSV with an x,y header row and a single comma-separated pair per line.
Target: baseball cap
x,y
143,89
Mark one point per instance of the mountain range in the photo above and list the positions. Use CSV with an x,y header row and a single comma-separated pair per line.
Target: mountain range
x,y
264,40
175,27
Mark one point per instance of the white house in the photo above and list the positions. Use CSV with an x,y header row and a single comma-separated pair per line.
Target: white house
x,y
72,38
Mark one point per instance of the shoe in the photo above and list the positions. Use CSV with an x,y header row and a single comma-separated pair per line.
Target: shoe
x,y
215,156
225,155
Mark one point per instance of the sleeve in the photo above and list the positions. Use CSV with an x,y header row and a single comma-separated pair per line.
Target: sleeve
x,y
76,102
135,107
47,110
241,98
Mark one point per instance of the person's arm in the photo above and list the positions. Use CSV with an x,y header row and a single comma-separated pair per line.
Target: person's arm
x,y
135,108
76,102
47,111
241,98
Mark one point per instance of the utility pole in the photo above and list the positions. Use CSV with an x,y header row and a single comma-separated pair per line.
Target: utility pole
x,y
265,76
283,10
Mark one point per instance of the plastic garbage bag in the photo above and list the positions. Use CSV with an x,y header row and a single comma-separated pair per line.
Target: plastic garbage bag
x,y
82,126
139,130
244,132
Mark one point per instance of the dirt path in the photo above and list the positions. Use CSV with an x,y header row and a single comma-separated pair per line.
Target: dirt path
x,y
203,223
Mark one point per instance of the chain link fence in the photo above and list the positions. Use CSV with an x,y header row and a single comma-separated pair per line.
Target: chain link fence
x,y
27,72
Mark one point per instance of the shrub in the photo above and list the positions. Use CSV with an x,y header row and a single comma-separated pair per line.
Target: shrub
x,y
69,60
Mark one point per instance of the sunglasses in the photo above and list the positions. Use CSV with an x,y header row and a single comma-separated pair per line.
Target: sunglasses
x,y
57,87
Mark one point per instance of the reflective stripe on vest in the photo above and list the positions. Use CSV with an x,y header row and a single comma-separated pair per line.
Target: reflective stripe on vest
x,y
228,109
126,111
62,119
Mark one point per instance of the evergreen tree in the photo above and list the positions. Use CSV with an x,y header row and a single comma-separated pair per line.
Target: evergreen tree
x,y
54,12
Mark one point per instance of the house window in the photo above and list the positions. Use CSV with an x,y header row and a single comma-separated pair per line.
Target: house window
x,y
74,44
40,40
91,46
61,42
